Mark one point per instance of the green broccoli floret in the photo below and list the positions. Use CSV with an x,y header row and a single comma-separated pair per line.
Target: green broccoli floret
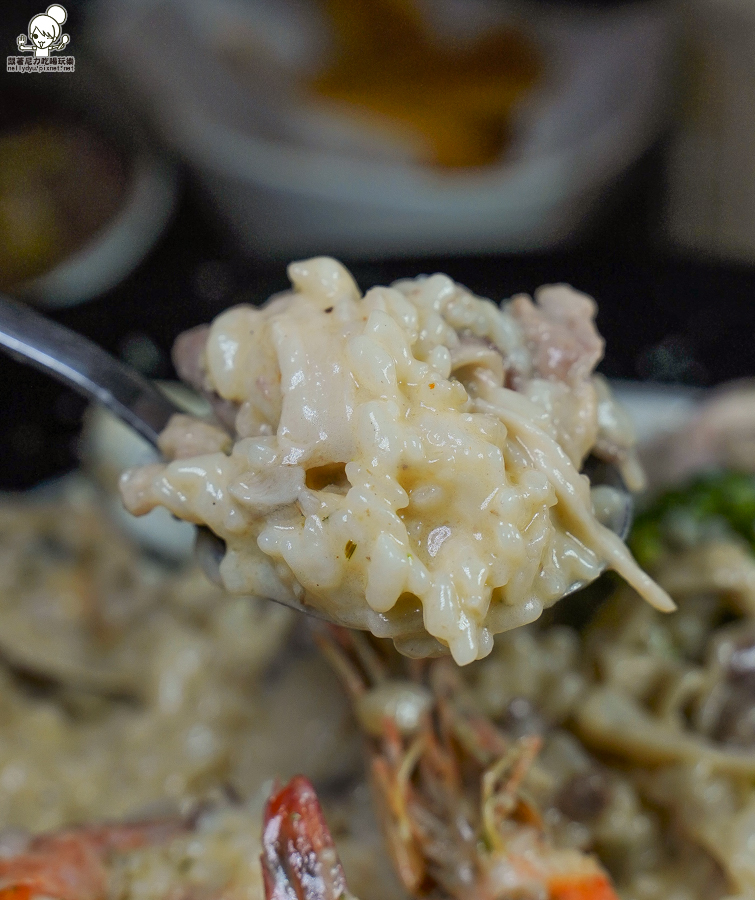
x,y
719,501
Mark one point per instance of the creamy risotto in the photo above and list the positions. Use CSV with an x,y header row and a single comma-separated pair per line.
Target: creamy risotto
x,y
406,461
617,760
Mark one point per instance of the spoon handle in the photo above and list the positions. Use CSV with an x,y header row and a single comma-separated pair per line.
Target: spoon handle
x,y
31,338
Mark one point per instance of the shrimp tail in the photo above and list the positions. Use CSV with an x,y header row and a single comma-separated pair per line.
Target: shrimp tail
x,y
299,858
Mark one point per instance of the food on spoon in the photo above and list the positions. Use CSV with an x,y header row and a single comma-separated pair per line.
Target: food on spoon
x,y
406,462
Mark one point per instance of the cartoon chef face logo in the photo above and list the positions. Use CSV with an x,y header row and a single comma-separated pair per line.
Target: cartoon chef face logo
x,y
45,32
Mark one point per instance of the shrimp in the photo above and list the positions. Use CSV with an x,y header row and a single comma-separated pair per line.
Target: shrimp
x,y
449,787
72,864
299,859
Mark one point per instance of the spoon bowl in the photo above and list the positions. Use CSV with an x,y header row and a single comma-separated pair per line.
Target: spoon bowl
x,y
79,363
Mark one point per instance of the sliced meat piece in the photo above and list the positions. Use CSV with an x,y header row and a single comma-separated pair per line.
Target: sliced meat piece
x,y
560,332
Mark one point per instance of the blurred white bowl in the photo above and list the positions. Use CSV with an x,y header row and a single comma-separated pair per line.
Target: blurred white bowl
x,y
115,250
657,410
285,193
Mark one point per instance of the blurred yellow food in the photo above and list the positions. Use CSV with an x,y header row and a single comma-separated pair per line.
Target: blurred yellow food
x,y
456,101
58,186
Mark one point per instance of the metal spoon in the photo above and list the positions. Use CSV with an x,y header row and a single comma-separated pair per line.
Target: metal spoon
x,y
35,340
31,338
